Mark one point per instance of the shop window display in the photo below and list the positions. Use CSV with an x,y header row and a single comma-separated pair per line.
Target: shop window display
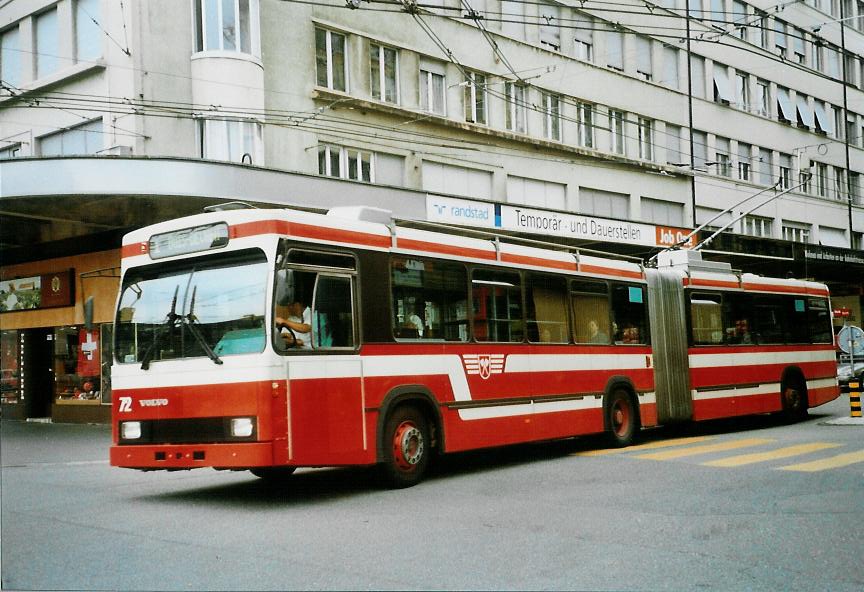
x,y
10,370
78,367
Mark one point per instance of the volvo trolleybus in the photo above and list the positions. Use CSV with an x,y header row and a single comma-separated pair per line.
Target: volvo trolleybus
x,y
274,339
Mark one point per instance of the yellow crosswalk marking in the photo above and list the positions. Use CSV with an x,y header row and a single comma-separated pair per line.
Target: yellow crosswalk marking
x,y
694,450
757,457
833,462
648,446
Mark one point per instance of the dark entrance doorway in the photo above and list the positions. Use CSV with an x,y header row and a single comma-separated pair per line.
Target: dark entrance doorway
x,y
37,372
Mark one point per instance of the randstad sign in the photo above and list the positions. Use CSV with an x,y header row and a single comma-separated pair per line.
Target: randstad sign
x,y
521,219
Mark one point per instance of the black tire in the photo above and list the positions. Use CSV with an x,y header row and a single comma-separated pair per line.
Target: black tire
x,y
621,418
406,446
793,395
273,474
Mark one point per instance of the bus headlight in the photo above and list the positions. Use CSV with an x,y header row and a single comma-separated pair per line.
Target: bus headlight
x,y
130,430
242,427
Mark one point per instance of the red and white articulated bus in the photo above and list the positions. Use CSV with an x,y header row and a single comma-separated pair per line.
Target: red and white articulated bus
x,y
274,339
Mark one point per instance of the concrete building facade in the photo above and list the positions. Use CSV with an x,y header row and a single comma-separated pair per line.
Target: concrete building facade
x,y
118,114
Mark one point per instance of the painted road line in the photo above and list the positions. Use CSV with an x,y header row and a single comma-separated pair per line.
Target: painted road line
x,y
648,446
833,462
694,450
757,457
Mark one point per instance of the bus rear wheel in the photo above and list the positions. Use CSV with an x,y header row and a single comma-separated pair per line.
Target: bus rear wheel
x,y
406,448
621,419
794,399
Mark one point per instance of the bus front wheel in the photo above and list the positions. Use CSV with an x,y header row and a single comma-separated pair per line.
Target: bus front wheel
x,y
406,448
621,418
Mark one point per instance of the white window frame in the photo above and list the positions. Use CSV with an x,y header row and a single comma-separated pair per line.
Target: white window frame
x,y
46,43
796,232
344,158
328,50
645,134
475,98
516,105
585,115
202,12
756,226
10,56
552,120
231,140
550,28
617,140
378,58
428,75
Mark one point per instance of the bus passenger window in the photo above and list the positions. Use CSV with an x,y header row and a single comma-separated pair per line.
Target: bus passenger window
x,y
706,320
628,314
770,319
333,313
546,309
590,305
796,311
819,321
497,300
738,319
429,299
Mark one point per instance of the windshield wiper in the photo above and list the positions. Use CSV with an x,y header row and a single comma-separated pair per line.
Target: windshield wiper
x,y
171,321
192,321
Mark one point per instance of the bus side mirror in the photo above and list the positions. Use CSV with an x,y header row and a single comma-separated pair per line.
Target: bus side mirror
x,y
284,287
88,313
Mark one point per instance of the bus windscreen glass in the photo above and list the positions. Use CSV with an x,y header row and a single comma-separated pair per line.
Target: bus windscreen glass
x,y
210,306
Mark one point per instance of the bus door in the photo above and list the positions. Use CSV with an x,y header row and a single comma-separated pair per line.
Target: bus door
x,y
325,395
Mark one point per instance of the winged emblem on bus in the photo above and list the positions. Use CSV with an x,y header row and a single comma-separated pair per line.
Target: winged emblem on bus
x,y
483,364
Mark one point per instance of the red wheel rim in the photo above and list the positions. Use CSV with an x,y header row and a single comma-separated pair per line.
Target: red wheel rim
x,y
407,446
620,417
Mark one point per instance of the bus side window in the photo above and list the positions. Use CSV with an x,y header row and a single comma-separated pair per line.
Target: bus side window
x,y
706,319
796,311
628,314
497,301
819,321
546,309
770,318
738,319
430,299
589,301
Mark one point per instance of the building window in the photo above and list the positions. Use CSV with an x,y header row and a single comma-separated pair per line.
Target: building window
x,y
756,226
330,63
231,140
765,172
383,73
552,116
606,204
762,28
742,90
658,211
739,17
584,38
10,151
805,115
795,232
839,121
513,18
456,180
700,150
674,156
721,156
585,113
227,25
432,93
10,58
763,102
697,76
852,129
47,44
821,179
824,118
83,139
88,37
744,164
799,45
670,66
644,67
615,50
832,61
345,163
646,138
854,187
516,116
785,171
780,42
475,98
550,31
839,184
616,129
532,192
722,88
785,109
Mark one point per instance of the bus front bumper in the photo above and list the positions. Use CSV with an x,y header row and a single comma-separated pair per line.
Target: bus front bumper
x,y
191,456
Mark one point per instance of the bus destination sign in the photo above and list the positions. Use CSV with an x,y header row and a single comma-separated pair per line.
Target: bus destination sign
x,y
188,240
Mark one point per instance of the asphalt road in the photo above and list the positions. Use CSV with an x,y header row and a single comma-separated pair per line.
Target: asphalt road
x,y
711,507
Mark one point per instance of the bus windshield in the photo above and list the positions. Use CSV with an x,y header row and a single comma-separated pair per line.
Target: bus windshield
x,y
208,306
